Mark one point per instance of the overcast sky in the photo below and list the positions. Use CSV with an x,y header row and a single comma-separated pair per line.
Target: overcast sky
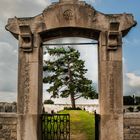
x,y
27,8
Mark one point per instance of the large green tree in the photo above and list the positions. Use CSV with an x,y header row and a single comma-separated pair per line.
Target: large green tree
x,y
66,75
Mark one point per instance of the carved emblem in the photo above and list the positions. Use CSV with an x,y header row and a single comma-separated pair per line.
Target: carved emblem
x,y
68,14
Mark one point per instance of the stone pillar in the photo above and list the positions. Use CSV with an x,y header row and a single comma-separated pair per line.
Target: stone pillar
x,y
29,105
110,86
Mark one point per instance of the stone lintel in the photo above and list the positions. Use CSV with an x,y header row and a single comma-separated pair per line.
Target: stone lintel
x,y
69,15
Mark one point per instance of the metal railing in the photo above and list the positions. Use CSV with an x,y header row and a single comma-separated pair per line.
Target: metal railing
x,y
55,127
70,44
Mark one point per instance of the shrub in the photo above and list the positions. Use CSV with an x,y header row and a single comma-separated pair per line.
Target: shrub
x,y
138,108
48,102
70,108
14,103
131,109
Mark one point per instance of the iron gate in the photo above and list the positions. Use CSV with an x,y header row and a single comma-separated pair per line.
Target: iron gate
x,y
97,123
55,127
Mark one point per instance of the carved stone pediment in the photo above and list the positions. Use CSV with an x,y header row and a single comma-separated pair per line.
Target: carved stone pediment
x,y
66,14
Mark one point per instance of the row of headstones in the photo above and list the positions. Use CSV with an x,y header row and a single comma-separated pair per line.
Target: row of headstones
x,y
8,107
92,109
52,108
56,108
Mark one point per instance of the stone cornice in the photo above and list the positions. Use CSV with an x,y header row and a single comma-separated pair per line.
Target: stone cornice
x,y
69,14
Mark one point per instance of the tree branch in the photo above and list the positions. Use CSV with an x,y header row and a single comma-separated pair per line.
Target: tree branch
x,y
78,97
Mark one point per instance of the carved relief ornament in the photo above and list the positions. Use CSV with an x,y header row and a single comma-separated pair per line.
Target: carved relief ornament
x,y
25,38
68,14
114,36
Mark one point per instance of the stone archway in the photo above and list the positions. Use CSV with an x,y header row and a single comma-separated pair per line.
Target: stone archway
x,y
63,19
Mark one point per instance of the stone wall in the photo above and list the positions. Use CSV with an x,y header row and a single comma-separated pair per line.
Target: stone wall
x,y
8,126
132,126
8,107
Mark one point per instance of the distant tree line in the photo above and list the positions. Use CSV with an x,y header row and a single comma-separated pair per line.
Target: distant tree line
x,y
49,101
131,100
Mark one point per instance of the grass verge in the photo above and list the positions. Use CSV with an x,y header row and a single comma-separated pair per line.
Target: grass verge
x,y
82,124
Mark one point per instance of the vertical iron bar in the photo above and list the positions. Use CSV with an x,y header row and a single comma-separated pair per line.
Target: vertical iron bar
x,y
97,121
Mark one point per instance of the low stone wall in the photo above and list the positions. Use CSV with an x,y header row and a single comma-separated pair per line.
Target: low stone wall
x,y
8,126
8,107
132,126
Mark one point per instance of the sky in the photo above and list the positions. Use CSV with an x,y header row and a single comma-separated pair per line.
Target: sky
x,y
29,8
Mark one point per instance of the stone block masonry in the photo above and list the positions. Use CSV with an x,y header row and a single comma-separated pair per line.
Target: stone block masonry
x,y
8,126
70,18
132,126
8,107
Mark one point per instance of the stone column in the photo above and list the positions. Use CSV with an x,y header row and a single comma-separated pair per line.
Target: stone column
x,y
110,85
29,86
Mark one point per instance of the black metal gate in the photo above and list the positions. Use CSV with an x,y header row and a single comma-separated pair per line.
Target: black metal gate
x,y
55,127
97,123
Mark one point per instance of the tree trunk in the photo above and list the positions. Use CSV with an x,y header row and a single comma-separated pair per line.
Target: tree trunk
x,y
72,93
73,101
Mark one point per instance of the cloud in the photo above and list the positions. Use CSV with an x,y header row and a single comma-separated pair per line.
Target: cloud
x,y
131,81
131,84
20,8
134,80
10,8
8,67
8,45
7,96
131,42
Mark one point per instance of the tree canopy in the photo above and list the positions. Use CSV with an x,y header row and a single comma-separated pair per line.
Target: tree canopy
x,y
66,75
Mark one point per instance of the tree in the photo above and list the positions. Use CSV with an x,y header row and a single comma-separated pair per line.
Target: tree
x,y
48,101
137,98
128,100
66,74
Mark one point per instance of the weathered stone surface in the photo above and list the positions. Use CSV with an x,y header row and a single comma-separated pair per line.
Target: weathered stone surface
x,y
8,107
76,19
30,92
74,15
132,126
8,126
110,82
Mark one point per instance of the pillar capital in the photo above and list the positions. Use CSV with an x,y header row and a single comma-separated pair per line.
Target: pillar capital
x,y
114,35
25,38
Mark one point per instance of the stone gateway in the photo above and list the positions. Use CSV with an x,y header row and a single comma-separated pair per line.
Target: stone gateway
x,y
70,18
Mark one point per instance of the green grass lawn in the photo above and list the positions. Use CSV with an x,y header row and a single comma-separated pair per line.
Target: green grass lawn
x,y
82,124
